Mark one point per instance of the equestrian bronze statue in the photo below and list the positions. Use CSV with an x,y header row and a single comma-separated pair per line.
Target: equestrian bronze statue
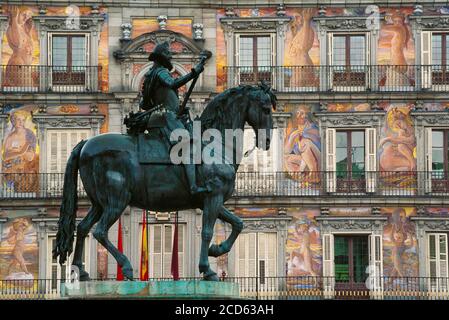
x,y
115,174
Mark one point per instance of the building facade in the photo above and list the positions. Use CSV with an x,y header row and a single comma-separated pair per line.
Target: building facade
x,y
355,182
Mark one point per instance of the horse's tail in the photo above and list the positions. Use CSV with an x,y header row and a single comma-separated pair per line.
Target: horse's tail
x,y
67,216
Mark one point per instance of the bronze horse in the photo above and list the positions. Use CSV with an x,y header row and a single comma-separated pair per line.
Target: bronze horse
x,y
113,179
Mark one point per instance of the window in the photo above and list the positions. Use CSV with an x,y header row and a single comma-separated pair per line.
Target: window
x,y
255,255
351,160
351,259
161,247
437,160
59,146
437,261
57,272
68,57
348,57
254,57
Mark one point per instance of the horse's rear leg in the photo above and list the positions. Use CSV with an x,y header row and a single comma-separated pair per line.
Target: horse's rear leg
x,y
212,207
82,231
109,217
225,215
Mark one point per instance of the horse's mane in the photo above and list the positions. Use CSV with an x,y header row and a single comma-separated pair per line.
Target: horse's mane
x,y
222,109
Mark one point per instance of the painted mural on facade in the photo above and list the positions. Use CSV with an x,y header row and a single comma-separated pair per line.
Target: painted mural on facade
x,y
302,144
348,107
400,246
20,150
303,247
19,251
255,212
397,146
354,212
395,48
301,49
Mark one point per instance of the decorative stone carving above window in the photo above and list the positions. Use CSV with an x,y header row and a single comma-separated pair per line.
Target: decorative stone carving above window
x,y
429,118
431,223
350,119
429,22
266,224
58,23
331,224
341,23
94,122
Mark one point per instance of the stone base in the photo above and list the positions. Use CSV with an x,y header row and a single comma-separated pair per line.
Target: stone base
x,y
185,289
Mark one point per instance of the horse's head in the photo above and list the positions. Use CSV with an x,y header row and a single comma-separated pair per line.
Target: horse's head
x,y
259,114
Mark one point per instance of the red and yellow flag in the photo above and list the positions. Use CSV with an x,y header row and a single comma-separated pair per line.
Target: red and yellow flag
x,y
120,249
144,249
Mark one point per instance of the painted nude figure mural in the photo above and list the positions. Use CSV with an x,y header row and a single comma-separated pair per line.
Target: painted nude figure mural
x,y
400,244
17,238
303,245
302,146
396,27
20,40
301,42
398,143
19,153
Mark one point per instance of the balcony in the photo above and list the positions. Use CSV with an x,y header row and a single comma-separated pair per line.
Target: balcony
x,y
273,288
357,78
47,79
394,184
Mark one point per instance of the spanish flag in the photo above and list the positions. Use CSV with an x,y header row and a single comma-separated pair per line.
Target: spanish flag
x,y
120,276
144,249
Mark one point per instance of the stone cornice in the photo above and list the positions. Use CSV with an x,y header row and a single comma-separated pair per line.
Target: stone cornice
x,y
336,224
254,23
432,118
431,223
349,119
58,23
342,23
436,22
265,223
69,121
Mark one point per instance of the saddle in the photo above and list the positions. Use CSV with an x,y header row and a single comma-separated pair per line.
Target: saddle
x,y
153,147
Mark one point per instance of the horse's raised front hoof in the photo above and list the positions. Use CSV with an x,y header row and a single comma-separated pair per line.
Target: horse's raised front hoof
x,y
215,250
210,276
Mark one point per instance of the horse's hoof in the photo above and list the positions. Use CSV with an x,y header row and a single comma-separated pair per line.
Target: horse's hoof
x,y
84,276
128,274
210,276
215,250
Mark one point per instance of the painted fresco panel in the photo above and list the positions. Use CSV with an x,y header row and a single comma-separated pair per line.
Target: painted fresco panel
x,y
19,251
400,246
303,246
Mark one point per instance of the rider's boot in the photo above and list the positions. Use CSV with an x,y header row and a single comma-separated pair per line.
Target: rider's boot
x,y
191,177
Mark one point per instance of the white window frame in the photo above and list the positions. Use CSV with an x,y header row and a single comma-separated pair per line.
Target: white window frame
x,y
370,158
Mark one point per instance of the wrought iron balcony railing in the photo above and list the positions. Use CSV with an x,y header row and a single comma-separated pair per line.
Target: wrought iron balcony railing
x,y
268,184
45,79
356,78
274,288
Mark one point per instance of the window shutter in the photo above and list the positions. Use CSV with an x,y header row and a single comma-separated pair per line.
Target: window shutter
x,y
156,251
366,69
370,159
375,266
428,160
89,83
330,160
328,265
267,253
426,59
330,61
273,60
237,50
437,262
168,245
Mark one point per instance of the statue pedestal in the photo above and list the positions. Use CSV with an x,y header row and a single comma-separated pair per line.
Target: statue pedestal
x,y
185,289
